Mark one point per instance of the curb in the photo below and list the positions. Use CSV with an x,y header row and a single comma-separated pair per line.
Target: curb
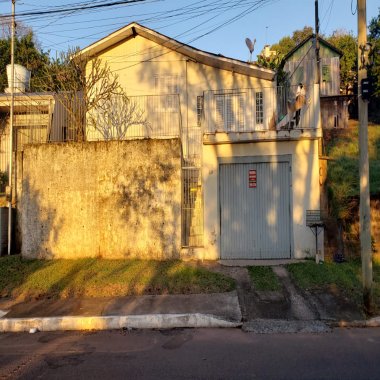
x,y
284,326
149,321
373,322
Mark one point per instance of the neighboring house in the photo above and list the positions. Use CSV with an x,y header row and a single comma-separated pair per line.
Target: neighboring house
x,y
300,64
246,183
38,118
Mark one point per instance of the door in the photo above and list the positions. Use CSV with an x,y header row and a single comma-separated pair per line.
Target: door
x,y
255,210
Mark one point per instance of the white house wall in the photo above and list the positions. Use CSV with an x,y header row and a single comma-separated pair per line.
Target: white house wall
x,y
137,61
304,190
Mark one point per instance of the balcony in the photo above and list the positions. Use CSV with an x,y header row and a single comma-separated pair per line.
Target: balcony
x,y
262,114
146,116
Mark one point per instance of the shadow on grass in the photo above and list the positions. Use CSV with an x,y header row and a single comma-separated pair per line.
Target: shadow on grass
x,y
105,278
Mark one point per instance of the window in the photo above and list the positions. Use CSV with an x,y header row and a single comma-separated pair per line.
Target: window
x,y
199,110
229,109
259,108
169,85
298,75
326,73
166,84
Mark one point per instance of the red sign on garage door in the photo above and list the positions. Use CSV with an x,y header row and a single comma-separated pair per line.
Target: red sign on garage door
x,y
252,179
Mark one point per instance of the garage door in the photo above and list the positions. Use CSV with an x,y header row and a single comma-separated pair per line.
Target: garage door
x,y
255,210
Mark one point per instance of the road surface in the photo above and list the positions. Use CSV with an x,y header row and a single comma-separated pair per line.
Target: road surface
x,y
190,354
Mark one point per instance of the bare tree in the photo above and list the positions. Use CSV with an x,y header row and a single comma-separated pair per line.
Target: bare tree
x,y
81,86
113,117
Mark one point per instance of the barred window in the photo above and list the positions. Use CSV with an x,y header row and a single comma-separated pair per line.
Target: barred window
x,y
199,110
259,108
229,110
168,85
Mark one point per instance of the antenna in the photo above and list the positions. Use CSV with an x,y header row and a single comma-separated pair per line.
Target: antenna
x,y
251,47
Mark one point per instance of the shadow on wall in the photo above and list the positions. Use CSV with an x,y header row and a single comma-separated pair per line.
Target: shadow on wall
x,y
104,199
149,202
43,228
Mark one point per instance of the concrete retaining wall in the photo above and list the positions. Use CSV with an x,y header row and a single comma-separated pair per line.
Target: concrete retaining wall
x,y
105,199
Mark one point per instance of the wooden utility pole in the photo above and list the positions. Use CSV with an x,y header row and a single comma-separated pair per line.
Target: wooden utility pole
x,y
365,210
318,61
9,192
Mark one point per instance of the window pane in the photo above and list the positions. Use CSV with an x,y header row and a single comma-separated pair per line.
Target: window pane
x,y
259,108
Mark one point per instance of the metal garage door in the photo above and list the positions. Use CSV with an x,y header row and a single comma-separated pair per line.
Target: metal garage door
x,y
255,210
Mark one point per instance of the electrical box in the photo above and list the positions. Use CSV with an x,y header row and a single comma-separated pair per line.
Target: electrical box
x,y
366,91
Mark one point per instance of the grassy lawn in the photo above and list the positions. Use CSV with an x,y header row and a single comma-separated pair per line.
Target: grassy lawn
x,y
264,278
102,278
343,171
344,278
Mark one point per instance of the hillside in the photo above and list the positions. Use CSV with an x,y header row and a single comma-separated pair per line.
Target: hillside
x,y
342,147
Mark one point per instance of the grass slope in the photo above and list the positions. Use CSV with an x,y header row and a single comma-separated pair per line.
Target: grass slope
x,y
343,170
344,278
102,278
264,278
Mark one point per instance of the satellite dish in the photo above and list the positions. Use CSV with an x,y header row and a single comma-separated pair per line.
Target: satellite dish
x,y
251,46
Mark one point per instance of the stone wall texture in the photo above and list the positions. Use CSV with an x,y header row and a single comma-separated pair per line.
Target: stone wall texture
x,y
115,199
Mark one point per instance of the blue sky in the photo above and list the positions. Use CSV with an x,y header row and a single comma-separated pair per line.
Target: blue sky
x,y
188,21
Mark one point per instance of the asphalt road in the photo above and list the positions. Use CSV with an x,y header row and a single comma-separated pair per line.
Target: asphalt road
x,y
190,354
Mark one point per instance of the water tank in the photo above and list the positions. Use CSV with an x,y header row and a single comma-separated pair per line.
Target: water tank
x,y
22,78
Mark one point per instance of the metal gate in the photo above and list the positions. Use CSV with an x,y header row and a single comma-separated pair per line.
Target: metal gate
x,y
255,210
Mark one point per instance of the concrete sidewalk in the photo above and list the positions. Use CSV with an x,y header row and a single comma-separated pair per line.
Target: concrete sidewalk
x,y
163,311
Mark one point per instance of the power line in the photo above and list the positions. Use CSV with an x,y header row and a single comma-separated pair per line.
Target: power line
x,y
82,7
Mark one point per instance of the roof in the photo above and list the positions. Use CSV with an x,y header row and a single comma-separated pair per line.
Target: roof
x,y
320,39
215,60
30,99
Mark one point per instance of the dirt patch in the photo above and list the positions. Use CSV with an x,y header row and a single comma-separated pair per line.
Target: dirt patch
x,y
331,304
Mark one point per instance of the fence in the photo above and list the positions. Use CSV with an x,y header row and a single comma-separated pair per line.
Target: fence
x,y
147,116
192,191
256,109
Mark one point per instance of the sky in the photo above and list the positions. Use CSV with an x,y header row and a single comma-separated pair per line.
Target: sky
x,y
217,26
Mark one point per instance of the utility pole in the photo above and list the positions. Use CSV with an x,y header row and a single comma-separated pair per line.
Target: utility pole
x,y
9,192
365,210
317,43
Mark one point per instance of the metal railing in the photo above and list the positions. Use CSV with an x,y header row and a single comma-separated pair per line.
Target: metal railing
x,y
192,189
45,118
146,116
258,109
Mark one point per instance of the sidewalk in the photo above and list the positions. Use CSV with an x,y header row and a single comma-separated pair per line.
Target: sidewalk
x,y
260,312
164,311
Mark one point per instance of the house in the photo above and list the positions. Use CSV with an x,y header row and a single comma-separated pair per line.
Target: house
x,y
247,182
39,117
300,64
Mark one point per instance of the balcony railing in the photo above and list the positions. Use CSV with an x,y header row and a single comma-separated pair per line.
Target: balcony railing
x,y
147,116
259,109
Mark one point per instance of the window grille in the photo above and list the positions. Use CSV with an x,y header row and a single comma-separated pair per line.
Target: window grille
x,y
199,110
192,208
259,108
167,84
192,194
229,112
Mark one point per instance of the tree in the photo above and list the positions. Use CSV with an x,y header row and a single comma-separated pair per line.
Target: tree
x,y
287,43
271,62
347,43
374,39
113,117
27,54
90,92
